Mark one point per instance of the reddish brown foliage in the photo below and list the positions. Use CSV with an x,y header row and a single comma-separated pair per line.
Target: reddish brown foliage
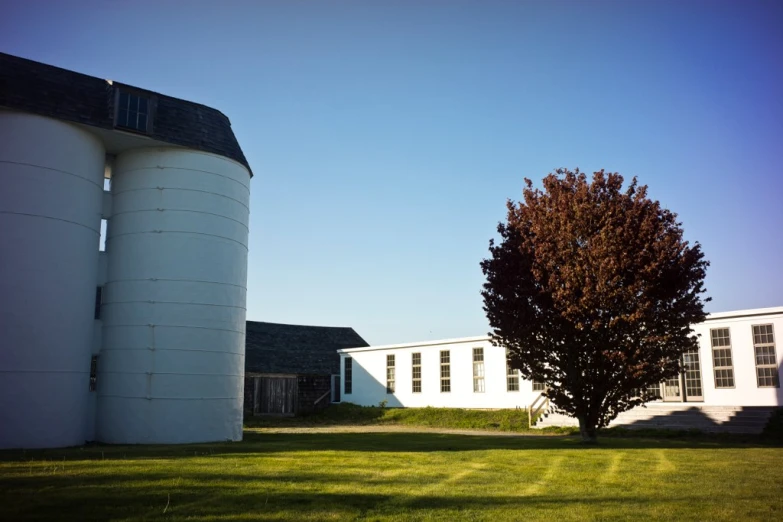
x,y
593,290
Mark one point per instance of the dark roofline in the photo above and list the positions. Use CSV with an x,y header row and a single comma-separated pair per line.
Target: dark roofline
x,y
156,93
109,80
47,90
299,349
300,325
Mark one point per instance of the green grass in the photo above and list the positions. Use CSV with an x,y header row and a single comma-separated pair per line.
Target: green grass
x,y
504,420
397,476
347,414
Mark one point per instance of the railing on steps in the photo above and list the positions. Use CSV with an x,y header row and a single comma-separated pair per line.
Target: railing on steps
x,y
538,405
322,397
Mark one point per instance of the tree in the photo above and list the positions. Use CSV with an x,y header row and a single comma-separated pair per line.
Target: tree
x,y
593,290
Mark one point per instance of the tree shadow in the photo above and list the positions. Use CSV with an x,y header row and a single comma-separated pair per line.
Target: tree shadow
x,y
213,496
260,442
747,420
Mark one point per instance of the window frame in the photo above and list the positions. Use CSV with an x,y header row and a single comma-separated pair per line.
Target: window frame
x,y
416,372
722,347
512,377
347,375
390,373
479,370
445,371
766,366
151,109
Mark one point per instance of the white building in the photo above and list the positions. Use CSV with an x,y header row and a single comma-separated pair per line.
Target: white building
x,y
738,364
143,342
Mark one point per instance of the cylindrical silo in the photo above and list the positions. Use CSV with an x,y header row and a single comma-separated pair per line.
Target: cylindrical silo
x,y
51,188
172,361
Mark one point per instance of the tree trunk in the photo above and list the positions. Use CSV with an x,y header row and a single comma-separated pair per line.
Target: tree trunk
x,y
587,430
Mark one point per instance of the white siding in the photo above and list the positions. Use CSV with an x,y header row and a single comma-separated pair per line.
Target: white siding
x,y
369,377
369,370
745,392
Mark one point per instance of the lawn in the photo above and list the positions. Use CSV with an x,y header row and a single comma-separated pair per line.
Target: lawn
x,y
347,414
397,476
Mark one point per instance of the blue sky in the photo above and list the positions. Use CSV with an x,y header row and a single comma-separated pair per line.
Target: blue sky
x,y
386,136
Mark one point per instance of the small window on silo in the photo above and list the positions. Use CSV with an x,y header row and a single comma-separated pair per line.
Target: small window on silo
x,y
98,301
93,373
102,241
108,168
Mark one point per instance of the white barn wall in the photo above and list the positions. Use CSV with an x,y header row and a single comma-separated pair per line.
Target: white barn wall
x,y
369,376
369,370
746,392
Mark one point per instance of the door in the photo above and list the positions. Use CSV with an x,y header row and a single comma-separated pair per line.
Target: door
x,y
692,376
672,390
277,395
687,386
335,388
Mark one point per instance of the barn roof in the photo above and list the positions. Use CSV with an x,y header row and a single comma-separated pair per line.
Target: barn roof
x,y
290,348
46,90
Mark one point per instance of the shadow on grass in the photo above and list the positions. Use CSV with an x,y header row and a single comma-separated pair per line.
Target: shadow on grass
x,y
259,442
316,476
204,503
93,499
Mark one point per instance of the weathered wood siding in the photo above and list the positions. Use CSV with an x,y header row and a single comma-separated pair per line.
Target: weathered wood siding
x,y
312,388
286,394
276,395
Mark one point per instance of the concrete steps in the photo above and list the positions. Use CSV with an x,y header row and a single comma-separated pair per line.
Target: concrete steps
x,y
726,419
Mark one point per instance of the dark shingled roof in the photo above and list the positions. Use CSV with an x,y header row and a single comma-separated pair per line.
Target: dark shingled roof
x,y
290,348
58,93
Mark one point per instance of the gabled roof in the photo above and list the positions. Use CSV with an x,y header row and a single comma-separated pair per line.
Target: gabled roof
x,y
290,348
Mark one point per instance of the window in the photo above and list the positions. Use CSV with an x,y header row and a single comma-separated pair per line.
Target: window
x,y
445,371
132,112
692,366
102,237
416,372
721,357
348,373
652,393
93,373
98,301
538,386
478,370
512,378
390,373
766,360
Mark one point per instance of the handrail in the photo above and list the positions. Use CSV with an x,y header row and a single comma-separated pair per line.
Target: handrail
x,y
322,397
539,403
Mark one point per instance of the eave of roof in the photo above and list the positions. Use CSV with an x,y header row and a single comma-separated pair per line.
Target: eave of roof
x,y
54,92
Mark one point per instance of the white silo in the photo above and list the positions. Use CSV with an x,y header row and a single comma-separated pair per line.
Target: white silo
x,y
172,362
51,188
